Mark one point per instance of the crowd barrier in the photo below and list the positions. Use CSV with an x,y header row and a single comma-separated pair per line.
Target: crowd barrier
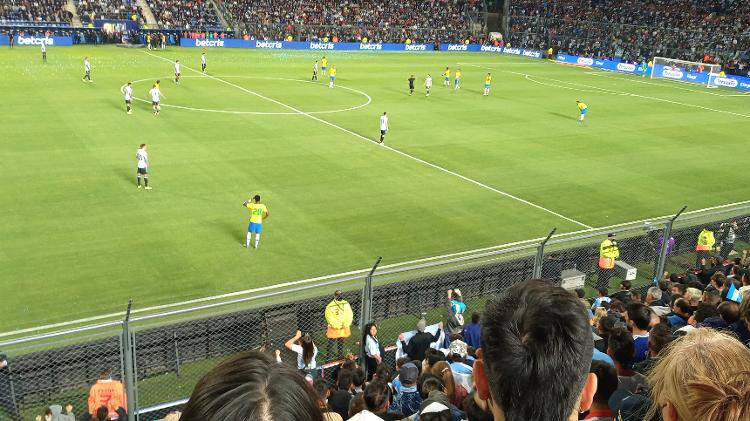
x,y
730,81
55,41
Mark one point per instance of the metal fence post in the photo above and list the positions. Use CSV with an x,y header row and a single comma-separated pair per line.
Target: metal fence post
x,y
128,361
539,259
365,315
662,262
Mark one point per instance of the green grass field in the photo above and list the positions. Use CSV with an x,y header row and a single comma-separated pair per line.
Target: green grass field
x,y
78,238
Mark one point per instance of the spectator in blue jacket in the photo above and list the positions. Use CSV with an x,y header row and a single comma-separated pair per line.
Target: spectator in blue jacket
x,y
473,332
408,400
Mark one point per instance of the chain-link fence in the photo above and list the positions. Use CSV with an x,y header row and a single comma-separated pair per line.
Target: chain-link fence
x,y
159,357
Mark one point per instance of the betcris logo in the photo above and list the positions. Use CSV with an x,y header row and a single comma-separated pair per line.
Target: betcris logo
x,y
209,42
415,47
585,61
321,46
672,74
729,83
626,67
376,47
274,45
744,85
515,51
35,41
691,77
598,63
491,48
534,54
457,47
561,57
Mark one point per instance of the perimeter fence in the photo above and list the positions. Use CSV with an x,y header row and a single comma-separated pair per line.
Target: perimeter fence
x,y
160,356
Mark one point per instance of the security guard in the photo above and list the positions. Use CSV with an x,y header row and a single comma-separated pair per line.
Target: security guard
x,y
609,251
339,317
704,245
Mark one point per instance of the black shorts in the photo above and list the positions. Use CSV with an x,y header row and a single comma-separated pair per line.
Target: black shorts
x,y
177,75
142,170
382,132
127,101
154,103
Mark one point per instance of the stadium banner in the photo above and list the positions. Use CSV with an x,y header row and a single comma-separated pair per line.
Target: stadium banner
x,y
730,81
118,25
36,41
302,45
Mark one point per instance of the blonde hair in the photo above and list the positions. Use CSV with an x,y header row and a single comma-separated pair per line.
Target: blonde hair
x,y
598,315
704,375
695,294
443,370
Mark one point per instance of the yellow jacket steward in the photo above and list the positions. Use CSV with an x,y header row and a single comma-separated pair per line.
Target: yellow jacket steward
x,y
339,316
608,252
706,240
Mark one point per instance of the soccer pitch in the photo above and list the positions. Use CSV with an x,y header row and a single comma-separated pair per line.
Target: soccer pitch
x,y
459,171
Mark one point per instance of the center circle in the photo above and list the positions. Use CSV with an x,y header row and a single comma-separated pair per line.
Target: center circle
x,y
209,110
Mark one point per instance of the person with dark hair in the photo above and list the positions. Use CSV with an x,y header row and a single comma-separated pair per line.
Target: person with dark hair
x,y
408,399
323,394
102,414
109,393
55,413
420,342
679,288
357,405
711,296
536,353
473,331
306,352
432,390
373,349
359,379
431,357
741,328
681,312
376,402
659,337
624,293
252,386
638,319
435,411
724,315
621,349
606,384
339,398
603,297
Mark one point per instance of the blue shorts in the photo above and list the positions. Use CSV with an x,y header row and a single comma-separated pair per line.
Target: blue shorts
x,y
447,79
254,228
324,68
333,78
457,81
487,86
584,111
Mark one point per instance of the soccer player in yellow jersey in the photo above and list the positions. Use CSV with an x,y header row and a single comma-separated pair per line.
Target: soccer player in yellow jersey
x,y
332,77
258,213
447,77
323,65
583,108
457,80
487,84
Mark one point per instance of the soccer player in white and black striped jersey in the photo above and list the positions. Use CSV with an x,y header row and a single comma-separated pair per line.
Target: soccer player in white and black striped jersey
x,y
177,71
203,62
87,69
128,93
142,157
383,127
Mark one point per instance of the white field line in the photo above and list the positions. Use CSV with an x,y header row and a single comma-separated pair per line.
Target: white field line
x,y
209,110
631,78
404,154
613,91
354,272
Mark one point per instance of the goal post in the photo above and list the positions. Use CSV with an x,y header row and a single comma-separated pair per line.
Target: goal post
x,y
686,71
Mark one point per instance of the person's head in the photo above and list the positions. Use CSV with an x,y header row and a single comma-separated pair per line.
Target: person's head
x,y
251,385
431,357
356,405
718,280
421,325
443,370
102,413
458,349
177,61
659,337
606,382
376,396
729,311
664,286
474,412
702,376
408,374
653,294
639,316
322,391
536,339
704,311
308,347
130,83
371,329
256,198
384,113
600,313
618,308
401,361
430,382
143,146
635,296
345,380
682,308
679,289
435,411
359,377
581,293
338,294
603,291
475,317
384,372
621,347
711,296
693,295
105,374
625,285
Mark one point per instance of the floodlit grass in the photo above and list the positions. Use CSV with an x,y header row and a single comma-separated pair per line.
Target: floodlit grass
x,y
78,238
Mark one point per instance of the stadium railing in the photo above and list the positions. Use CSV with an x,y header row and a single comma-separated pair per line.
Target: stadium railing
x,y
161,353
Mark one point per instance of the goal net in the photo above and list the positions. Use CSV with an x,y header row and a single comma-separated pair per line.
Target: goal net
x,y
685,71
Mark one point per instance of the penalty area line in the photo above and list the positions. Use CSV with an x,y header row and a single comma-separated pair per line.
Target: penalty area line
x,y
404,154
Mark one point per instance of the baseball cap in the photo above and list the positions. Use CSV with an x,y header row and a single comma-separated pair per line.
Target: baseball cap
x,y
408,374
458,347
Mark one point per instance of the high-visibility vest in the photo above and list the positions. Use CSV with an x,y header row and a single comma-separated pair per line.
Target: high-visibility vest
x,y
706,240
608,252
339,316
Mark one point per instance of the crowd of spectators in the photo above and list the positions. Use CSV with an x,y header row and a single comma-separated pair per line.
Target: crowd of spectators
x,y
347,20
185,15
88,10
34,11
637,30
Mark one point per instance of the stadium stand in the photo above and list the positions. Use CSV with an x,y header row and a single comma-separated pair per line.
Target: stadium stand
x,y
714,30
187,15
89,10
34,11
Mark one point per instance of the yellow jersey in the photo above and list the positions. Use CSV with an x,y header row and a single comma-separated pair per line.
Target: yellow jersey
x,y
257,212
333,71
447,74
582,106
324,62
488,80
458,74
